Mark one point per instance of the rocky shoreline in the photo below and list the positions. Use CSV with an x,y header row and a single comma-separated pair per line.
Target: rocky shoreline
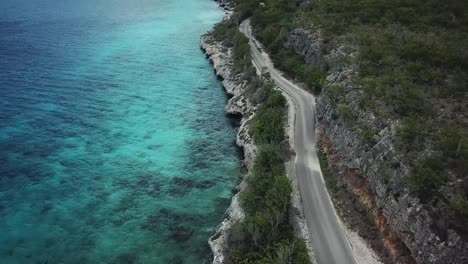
x,y
238,105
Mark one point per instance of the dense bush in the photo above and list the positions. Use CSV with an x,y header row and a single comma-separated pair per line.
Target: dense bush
x,y
266,236
411,134
427,176
454,143
268,126
346,112
241,53
459,206
224,32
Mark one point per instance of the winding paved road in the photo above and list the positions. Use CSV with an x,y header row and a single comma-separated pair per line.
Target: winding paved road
x,y
330,244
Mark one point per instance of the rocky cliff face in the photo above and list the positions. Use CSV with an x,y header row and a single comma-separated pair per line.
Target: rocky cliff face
x,y
226,4
238,105
380,168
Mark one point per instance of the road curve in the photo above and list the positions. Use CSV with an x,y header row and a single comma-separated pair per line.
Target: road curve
x,y
330,244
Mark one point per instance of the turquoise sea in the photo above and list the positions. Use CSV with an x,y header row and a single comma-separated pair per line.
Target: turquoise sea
x,y
114,144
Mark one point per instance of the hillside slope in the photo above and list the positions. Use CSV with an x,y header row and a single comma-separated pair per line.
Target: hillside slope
x,y
392,79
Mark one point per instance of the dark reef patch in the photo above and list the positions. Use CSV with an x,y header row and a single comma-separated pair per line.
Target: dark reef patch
x,y
181,233
150,183
125,204
204,153
180,186
126,258
154,146
177,260
119,220
46,207
178,191
189,183
167,219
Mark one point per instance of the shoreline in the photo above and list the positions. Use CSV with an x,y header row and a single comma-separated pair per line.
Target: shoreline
x,y
248,150
239,106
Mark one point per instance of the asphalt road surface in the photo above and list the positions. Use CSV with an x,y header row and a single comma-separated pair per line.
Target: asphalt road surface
x,y
330,243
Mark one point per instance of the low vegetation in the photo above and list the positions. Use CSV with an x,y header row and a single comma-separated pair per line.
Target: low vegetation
x,y
271,22
265,235
413,69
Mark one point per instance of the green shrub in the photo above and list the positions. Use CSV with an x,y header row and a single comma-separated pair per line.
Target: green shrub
x,y
268,127
426,177
409,101
224,32
265,235
411,134
335,92
346,112
459,207
276,100
368,134
278,196
301,253
453,143
242,59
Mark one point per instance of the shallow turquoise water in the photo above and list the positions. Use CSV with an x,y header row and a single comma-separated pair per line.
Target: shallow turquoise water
x,y
114,145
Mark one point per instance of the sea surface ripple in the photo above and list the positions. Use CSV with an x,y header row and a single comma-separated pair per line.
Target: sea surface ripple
x,y
114,145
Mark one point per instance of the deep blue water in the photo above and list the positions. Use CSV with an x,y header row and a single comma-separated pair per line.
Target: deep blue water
x,y
114,145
